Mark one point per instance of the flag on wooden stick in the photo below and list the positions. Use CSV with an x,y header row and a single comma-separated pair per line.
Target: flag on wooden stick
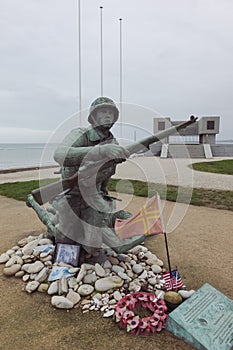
x,y
147,221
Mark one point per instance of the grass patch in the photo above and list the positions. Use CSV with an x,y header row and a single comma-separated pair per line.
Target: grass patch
x,y
201,197
20,190
220,167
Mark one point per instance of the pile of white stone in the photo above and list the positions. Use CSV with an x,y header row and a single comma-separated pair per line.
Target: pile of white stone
x,y
91,286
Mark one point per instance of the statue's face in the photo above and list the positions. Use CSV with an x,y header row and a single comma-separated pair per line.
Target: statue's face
x,y
104,117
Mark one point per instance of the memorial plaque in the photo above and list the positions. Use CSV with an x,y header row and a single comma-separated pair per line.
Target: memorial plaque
x,y
205,320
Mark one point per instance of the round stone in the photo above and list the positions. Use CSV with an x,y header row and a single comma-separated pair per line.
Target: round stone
x,y
135,286
16,247
81,274
173,298
137,268
32,286
53,288
10,252
185,294
12,270
72,283
117,295
106,283
28,248
19,274
136,250
99,270
61,302
44,241
43,287
107,265
22,242
25,278
143,275
152,261
34,267
156,268
152,281
4,258
14,260
85,289
113,260
73,296
46,258
89,279
124,276
117,268
42,275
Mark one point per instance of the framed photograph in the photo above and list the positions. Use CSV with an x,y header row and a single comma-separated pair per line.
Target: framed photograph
x,y
67,253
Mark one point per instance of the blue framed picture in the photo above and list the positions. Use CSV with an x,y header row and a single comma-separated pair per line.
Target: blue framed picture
x,y
67,254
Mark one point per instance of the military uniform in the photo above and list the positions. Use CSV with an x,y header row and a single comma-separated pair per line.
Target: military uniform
x,y
86,214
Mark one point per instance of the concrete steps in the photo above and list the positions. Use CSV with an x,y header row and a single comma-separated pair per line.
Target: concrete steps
x,y
191,151
186,151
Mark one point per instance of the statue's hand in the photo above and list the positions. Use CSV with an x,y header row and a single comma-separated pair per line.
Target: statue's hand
x,y
112,151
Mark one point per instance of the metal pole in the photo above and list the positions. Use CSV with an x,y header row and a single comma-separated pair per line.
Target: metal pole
x,y
120,20
101,51
168,255
165,236
79,58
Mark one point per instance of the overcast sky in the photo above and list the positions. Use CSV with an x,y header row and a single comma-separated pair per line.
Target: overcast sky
x,y
177,61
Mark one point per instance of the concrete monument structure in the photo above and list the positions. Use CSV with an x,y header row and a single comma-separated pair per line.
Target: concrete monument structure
x,y
199,140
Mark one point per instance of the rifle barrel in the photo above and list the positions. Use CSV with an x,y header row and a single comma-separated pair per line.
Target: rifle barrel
x,y
47,193
140,145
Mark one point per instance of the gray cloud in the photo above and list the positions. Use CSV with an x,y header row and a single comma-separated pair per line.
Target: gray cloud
x,y
177,58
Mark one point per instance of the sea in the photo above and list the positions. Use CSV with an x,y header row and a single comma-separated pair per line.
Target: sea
x,y
26,155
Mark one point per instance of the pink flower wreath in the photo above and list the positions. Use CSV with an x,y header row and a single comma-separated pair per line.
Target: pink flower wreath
x,y
127,319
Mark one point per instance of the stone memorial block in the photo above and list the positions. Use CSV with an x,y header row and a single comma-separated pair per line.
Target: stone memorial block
x,y
205,320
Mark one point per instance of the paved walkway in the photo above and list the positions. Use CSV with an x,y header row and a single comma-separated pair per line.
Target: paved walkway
x,y
165,171
26,175
173,172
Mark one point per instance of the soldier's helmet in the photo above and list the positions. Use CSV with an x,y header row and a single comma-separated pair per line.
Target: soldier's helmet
x,y
102,102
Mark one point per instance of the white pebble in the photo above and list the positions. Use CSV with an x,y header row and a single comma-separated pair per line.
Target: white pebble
x,y
109,313
137,268
85,289
61,302
32,286
4,258
185,294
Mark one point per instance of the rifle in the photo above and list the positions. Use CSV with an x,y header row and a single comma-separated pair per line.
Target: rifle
x,y
49,192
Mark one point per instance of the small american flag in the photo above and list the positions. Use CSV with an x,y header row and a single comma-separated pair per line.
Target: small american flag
x,y
174,282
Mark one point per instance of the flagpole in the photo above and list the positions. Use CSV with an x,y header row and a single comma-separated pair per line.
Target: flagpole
x,y
120,21
165,237
101,51
168,255
79,56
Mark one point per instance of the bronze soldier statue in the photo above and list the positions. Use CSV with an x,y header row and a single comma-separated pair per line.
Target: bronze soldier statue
x,y
83,212
87,213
